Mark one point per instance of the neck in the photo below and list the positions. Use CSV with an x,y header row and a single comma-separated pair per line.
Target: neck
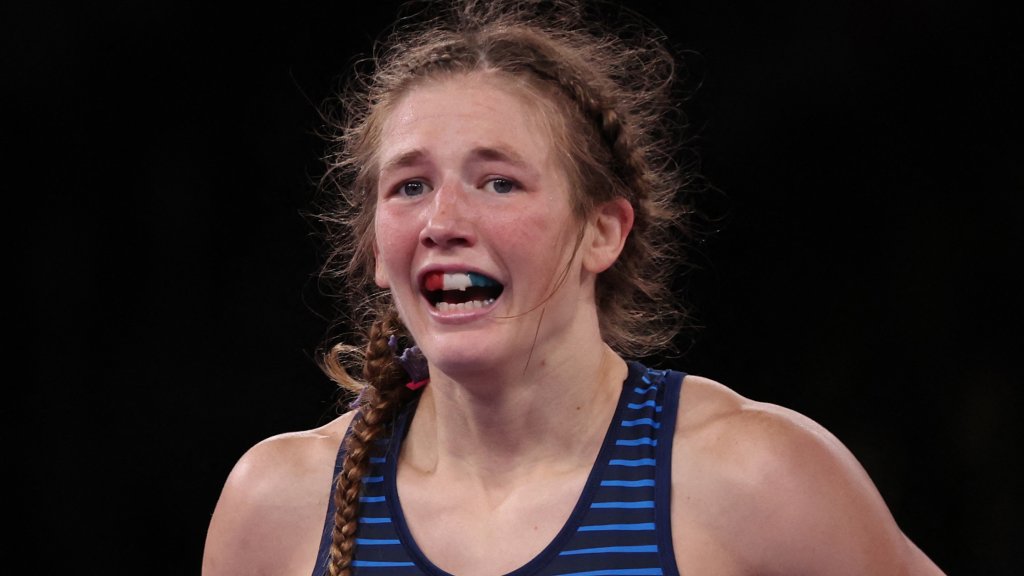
x,y
552,414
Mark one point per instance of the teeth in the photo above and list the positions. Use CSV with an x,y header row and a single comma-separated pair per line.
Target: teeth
x,y
463,306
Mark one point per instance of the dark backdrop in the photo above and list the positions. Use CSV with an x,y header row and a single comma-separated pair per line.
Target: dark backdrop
x,y
863,268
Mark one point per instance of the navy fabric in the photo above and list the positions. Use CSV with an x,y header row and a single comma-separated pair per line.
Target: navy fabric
x,y
619,527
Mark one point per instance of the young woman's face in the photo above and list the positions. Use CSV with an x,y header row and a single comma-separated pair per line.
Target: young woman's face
x,y
474,225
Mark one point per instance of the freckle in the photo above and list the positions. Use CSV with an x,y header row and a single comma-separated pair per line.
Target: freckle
x,y
578,407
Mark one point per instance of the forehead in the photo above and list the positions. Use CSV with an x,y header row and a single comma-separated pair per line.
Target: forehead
x,y
479,110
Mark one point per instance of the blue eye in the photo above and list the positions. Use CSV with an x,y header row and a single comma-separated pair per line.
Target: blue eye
x,y
412,188
501,185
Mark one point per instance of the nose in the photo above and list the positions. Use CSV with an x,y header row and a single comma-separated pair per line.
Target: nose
x,y
448,222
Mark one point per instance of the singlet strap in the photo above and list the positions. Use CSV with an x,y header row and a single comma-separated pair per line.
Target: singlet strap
x,y
663,483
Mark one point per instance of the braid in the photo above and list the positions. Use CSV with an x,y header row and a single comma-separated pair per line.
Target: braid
x,y
381,399
446,58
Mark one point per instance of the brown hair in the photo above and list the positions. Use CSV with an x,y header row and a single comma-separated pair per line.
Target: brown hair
x,y
607,81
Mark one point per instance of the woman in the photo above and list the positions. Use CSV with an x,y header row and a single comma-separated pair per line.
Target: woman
x,y
506,182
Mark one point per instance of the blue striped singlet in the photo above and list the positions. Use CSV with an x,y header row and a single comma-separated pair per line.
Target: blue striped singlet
x,y
619,527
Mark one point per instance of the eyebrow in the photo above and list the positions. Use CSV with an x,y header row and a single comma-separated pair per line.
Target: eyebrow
x,y
402,160
499,154
485,153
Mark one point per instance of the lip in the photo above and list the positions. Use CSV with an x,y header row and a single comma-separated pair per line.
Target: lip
x,y
458,316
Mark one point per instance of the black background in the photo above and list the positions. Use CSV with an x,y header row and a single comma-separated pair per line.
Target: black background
x,y
864,268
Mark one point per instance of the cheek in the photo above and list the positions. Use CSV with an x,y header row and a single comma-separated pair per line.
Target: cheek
x,y
390,247
542,239
550,226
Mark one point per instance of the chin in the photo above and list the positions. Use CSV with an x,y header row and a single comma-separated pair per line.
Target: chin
x,y
467,355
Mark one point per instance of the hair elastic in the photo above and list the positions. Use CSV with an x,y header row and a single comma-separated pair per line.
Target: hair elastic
x,y
414,363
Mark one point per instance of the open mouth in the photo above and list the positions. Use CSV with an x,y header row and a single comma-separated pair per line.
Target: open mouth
x,y
460,291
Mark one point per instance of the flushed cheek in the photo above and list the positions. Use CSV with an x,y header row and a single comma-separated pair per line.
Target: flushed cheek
x,y
389,250
540,232
539,250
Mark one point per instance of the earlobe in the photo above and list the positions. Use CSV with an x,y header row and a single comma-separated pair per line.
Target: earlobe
x,y
610,225
379,276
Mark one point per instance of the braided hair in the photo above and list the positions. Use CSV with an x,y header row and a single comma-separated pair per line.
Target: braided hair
x,y
605,83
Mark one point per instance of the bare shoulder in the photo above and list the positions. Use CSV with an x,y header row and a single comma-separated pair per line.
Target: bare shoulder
x,y
271,510
768,490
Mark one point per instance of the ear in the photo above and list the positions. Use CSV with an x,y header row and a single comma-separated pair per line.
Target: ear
x,y
609,226
379,276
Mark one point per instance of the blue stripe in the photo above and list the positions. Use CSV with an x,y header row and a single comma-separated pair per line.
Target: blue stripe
x,y
632,463
635,406
375,520
603,527
372,479
626,572
640,390
641,422
612,549
377,459
640,504
372,564
371,498
637,442
374,542
628,483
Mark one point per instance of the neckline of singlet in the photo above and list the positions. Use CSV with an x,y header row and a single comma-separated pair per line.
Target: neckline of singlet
x,y
568,529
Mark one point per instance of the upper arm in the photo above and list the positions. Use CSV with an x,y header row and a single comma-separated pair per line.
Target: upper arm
x,y
270,514
829,514
781,495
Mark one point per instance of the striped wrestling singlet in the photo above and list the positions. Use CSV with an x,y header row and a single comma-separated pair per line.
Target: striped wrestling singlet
x,y
619,527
